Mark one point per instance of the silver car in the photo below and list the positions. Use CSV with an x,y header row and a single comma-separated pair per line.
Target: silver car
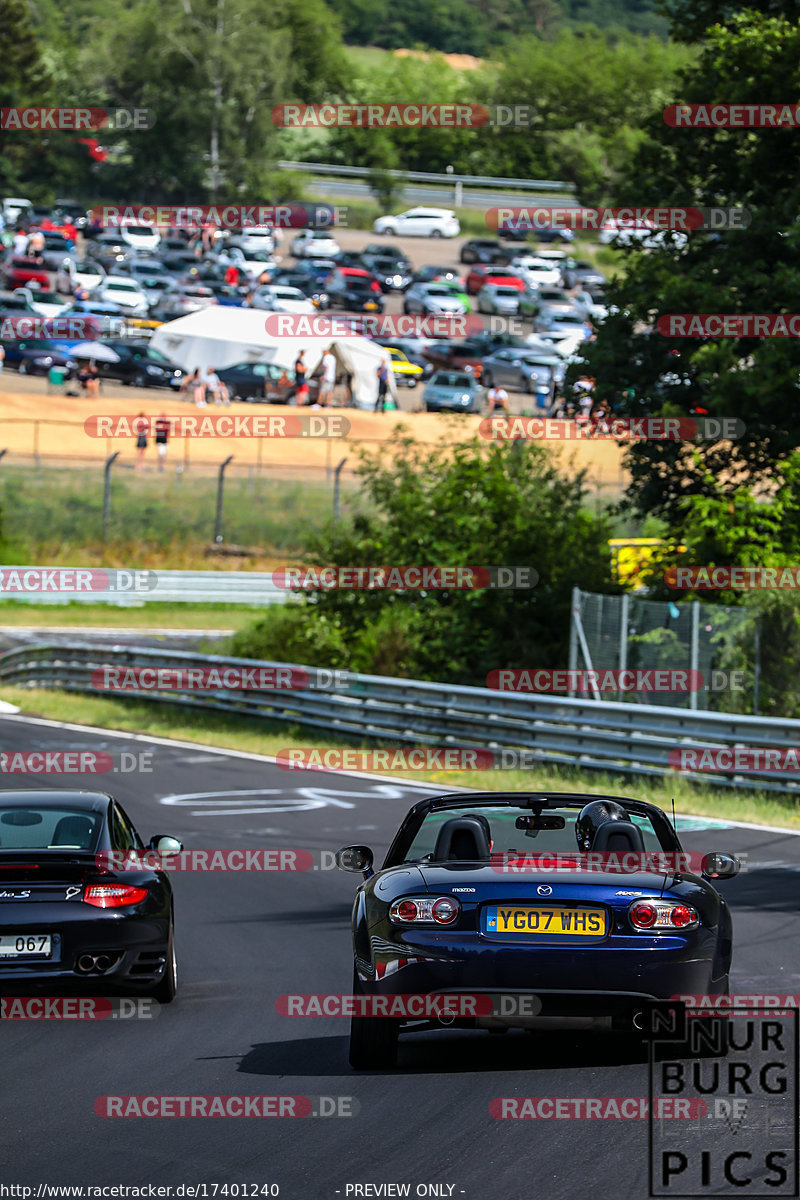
x,y
432,298
521,370
498,298
453,391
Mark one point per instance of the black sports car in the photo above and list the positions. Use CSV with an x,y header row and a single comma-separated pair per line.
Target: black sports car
x,y
66,916
544,910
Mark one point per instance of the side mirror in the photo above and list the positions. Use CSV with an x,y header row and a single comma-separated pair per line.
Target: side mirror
x,y
164,844
355,858
719,866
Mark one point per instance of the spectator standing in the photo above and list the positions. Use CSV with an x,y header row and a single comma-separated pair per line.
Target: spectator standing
x,y
162,437
383,385
21,241
300,378
140,429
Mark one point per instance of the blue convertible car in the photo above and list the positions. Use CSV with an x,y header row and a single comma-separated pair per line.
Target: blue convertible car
x,y
548,910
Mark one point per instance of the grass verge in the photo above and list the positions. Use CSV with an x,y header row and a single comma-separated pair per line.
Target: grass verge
x,y
262,737
123,616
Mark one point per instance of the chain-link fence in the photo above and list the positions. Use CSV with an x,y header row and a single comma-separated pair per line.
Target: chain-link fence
x,y
654,642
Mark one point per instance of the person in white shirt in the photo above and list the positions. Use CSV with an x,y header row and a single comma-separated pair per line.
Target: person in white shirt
x,y
498,399
20,242
328,378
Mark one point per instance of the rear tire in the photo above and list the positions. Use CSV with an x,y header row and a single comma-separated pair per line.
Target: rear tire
x,y
373,1040
166,990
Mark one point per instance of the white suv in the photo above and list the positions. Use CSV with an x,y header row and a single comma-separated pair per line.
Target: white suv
x,y
420,222
140,236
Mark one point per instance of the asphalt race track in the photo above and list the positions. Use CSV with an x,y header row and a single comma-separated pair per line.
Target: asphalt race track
x,y
245,938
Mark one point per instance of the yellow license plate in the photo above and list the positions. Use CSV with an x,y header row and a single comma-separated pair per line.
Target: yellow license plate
x,y
557,920
370,307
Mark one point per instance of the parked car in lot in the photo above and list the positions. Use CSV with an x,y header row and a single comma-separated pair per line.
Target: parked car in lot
x,y
57,247
555,326
140,365
469,353
453,391
126,292
279,299
580,273
109,249
24,272
522,370
405,371
433,274
485,250
419,222
264,383
140,236
355,296
36,356
413,348
478,277
46,304
345,276
252,239
305,283
16,210
498,298
84,273
538,272
179,299
253,262
314,243
72,211
393,274
429,298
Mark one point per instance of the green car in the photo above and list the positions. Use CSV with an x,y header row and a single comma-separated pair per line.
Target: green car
x,y
456,290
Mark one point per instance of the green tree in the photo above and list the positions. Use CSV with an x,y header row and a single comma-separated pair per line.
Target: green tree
x,y
450,505
739,270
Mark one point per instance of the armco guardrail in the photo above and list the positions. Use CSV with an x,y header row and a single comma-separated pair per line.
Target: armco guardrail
x,y
520,185
189,587
618,738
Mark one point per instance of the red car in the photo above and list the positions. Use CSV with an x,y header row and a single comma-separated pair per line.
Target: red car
x,y
348,275
25,272
478,276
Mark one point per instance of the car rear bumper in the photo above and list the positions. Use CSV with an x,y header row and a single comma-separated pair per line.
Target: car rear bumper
x,y
136,950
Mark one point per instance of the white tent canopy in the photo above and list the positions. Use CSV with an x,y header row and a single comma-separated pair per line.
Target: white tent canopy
x,y
219,336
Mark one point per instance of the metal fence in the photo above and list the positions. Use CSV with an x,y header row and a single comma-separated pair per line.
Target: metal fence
x,y
616,738
629,632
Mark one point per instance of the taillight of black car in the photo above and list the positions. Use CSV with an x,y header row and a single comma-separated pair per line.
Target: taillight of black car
x,y
658,916
425,910
113,895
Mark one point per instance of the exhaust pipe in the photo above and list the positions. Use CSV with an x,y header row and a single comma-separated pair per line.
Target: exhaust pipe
x,y
86,963
638,1021
104,962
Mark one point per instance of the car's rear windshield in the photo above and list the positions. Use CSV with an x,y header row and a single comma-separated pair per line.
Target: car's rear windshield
x,y
505,836
48,828
454,381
